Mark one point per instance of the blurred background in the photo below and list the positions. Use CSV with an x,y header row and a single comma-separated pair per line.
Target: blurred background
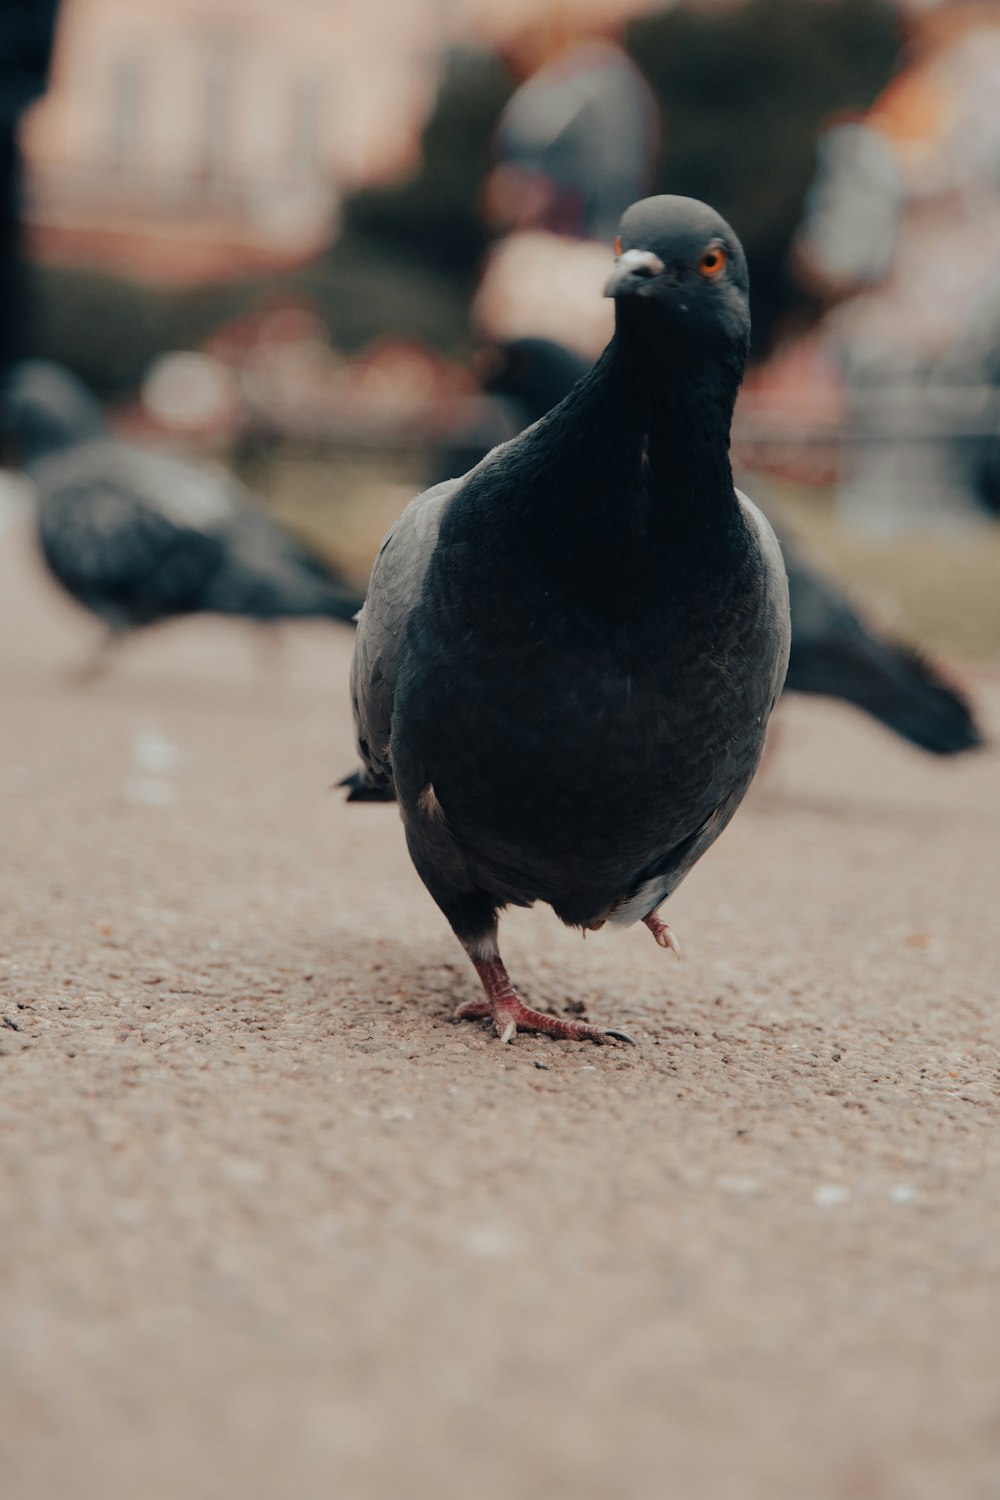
x,y
304,239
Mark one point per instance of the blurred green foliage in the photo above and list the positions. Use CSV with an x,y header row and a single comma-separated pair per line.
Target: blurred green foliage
x,y
109,330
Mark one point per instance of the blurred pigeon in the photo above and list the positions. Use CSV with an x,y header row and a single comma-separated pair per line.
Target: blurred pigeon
x,y
527,377
568,657
137,536
834,651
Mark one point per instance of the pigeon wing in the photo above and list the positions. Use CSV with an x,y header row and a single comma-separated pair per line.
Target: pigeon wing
x,y
130,534
393,594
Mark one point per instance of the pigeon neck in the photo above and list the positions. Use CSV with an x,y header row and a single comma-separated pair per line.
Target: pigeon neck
x,y
657,441
626,487
679,411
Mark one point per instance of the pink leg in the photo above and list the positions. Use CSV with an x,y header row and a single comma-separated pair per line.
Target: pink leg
x,y
662,933
510,1015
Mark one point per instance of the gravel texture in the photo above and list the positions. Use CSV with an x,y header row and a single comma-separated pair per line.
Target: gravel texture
x,y
273,1226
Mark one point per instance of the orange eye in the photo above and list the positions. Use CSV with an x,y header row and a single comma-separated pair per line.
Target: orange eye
x,y
618,245
712,262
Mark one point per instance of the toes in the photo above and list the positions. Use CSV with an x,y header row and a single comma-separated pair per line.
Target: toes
x,y
662,933
509,1019
668,940
472,1010
622,1036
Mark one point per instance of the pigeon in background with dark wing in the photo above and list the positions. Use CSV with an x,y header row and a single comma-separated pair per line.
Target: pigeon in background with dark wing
x,y
836,654
568,657
137,536
834,651
527,377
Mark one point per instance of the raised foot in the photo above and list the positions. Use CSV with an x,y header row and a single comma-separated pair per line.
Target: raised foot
x,y
662,933
510,1015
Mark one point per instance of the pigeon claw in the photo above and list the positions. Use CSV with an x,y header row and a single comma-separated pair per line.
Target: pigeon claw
x,y
662,933
510,1016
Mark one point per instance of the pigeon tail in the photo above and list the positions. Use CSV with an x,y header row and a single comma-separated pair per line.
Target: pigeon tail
x,y
289,586
362,787
892,683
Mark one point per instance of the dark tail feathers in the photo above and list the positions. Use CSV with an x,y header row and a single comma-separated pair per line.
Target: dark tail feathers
x,y
894,684
362,789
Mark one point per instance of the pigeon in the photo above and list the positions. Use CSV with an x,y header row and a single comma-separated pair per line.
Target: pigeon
x,y
526,377
568,657
835,651
138,536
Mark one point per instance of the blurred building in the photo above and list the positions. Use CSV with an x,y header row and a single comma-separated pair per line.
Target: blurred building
x,y
196,138
188,139
902,236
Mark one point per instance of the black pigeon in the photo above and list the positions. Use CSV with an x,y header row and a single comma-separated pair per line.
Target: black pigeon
x,y
834,652
568,657
137,536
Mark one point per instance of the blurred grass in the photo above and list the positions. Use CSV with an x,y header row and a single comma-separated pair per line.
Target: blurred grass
x,y
941,592
342,502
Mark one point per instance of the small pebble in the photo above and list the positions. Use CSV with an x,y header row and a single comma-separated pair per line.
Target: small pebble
x,y
742,1187
151,752
830,1194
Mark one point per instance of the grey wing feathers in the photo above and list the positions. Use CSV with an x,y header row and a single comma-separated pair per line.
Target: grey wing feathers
x,y
185,495
394,591
777,586
144,535
125,557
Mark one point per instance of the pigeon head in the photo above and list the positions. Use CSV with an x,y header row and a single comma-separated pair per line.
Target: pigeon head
x,y
44,408
680,277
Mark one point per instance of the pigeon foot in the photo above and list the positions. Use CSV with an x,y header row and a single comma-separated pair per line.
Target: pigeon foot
x,y
662,933
510,1015
96,665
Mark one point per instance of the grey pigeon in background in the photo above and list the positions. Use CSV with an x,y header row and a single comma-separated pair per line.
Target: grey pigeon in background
x,y
139,537
835,651
568,657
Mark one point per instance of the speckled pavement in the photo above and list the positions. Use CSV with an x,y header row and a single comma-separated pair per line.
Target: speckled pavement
x,y
273,1226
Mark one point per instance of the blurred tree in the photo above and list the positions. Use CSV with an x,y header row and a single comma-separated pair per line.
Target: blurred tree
x,y
745,92
108,330
433,216
27,28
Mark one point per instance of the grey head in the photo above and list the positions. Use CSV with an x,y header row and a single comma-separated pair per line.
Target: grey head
x,y
680,280
46,409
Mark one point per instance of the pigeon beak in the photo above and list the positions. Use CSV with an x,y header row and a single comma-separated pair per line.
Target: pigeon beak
x,y
633,270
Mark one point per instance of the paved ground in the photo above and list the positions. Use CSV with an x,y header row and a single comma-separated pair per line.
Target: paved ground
x,y
272,1226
